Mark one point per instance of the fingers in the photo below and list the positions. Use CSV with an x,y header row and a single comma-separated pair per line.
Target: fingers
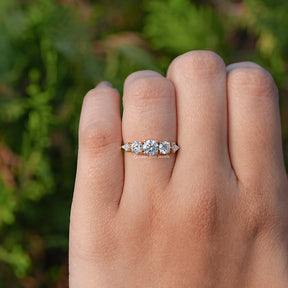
x,y
200,81
99,177
99,181
254,122
149,113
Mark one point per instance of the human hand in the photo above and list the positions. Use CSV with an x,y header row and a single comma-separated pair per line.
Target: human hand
x,y
212,215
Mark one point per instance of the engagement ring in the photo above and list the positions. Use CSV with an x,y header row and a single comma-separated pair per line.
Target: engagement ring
x,y
151,147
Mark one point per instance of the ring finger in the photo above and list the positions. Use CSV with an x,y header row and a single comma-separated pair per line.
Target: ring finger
x,y
149,113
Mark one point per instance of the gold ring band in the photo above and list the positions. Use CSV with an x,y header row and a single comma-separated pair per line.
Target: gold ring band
x,y
151,147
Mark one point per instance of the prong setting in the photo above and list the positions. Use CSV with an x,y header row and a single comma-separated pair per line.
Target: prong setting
x,y
151,147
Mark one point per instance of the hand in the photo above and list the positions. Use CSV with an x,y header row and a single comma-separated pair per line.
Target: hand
x,y
212,215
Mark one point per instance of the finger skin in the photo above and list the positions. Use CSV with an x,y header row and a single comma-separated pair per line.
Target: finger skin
x,y
99,179
254,122
100,163
219,239
199,78
149,113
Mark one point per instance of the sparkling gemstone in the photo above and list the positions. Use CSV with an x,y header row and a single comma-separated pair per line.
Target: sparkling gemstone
x,y
126,147
175,148
136,147
164,147
150,147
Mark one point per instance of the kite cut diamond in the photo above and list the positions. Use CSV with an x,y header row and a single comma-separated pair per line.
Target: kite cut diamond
x,y
164,147
126,147
150,147
136,147
175,148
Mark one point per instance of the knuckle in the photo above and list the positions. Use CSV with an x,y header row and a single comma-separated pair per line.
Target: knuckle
x,y
140,75
254,80
93,93
205,205
258,208
197,63
206,218
263,206
98,136
147,89
204,211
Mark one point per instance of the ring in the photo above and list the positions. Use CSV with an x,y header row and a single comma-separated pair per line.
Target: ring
x,y
151,147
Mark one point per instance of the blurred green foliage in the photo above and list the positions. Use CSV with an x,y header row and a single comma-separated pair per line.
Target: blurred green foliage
x,y
51,53
204,27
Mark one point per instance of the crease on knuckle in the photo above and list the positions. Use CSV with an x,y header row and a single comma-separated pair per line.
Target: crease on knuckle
x,y
205,212
93,93
204,64
148,90
253,81
258,210
98,136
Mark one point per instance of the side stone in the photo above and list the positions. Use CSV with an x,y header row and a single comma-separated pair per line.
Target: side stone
x,y
126,147
164,147
136,147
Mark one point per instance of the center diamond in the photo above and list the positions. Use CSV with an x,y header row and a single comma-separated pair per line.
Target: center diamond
x,y
150,147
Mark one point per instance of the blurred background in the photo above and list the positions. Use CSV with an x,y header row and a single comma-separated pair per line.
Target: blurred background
x,y
51,53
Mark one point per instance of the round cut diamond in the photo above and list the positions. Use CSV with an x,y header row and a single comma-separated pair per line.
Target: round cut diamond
x,y
164,147
150,147
136,147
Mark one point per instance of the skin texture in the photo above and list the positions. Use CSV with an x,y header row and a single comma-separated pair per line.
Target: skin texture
x,y
213,215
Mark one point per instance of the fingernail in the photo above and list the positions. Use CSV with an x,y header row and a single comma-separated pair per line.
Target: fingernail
x,y
104,84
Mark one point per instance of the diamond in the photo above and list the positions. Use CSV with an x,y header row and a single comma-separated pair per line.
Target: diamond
x,y
136,147
150,147
126,147
164,147
175,148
